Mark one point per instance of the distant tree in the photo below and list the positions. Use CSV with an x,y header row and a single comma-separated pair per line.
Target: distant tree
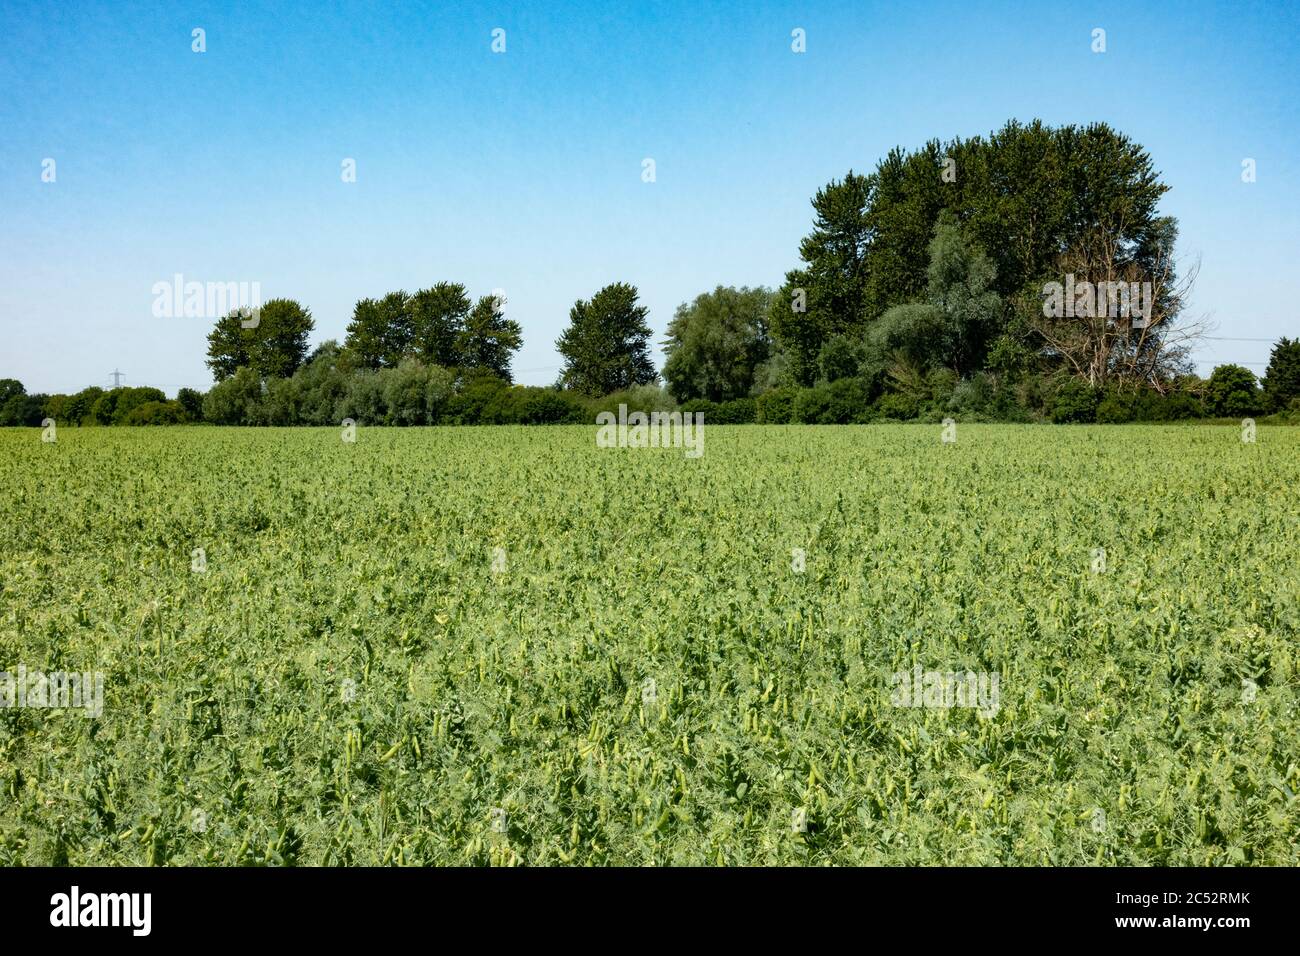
x,y
77,409
605,346
1231,391
9,388
23,409
192,402
716,342
825,297
274,347
438,316
488,339
382,331
1282,378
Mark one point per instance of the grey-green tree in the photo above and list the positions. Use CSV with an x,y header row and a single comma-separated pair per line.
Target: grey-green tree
x,y
606,345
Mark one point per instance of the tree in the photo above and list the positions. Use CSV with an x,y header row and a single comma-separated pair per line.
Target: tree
x,y
273,344
1231,392
382,331
605,347
438,316
825,298
716,342
960,285
1282,378
488,339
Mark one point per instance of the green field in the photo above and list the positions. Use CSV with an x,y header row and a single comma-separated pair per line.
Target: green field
x,y
352,681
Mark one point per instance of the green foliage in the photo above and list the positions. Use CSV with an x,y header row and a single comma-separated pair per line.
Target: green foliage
x,y
640,398
775,407
738,411
606,345
834,403
438,316
825,297
382,331
236,400
1232,391
489,340
157,413
716,343
275,347
1076,402
23,409
1282,378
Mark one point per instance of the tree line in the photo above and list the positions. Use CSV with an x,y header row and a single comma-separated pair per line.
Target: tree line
x,y
919,294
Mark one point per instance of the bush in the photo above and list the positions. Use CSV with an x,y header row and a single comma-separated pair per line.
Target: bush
x,y
897,407
157,413
1075,401
131,398
775,407
836,403
481,402
550,406
738,411
638,398
703,405
406,393
363,399
235,401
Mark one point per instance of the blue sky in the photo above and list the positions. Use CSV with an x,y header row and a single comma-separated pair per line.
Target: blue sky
x,y
522,170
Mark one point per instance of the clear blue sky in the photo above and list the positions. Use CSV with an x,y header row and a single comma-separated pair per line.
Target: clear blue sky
x,y
522,170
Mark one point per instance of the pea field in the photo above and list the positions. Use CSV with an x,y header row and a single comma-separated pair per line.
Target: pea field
x,y
507,646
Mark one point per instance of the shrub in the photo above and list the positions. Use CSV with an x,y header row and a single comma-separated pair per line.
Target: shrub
x,y
157,413
363,399
1075,401
897,407
738,411
707,408
234,401
775,407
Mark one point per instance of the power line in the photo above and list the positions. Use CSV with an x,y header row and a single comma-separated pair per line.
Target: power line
x,y
1229,338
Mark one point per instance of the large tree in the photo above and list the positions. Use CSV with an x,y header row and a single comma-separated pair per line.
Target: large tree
x,y
382,331
1038,200
438,317
605,347
488,339
824,298
273,341
716,342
